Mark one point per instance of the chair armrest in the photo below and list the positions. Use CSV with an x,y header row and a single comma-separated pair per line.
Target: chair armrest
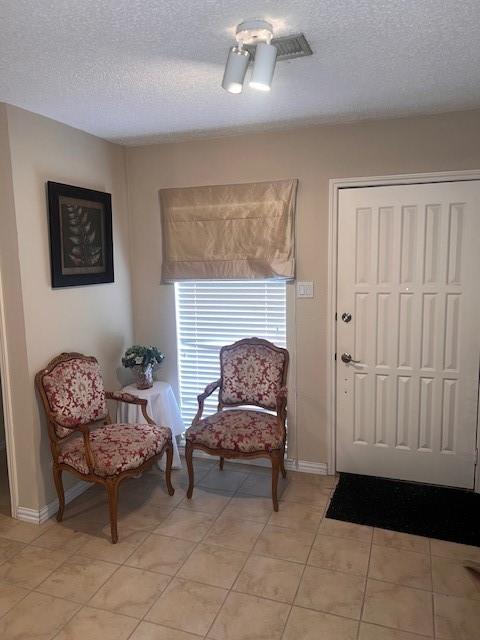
x,y
129,398
209,389
84,429
125,397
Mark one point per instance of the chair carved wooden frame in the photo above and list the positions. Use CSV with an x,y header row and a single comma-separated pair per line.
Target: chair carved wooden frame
x,y
105,453
253,373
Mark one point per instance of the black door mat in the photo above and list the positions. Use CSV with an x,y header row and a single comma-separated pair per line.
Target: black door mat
x,y
425,510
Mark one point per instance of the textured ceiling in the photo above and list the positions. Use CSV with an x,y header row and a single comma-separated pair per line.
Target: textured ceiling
x,y
145,70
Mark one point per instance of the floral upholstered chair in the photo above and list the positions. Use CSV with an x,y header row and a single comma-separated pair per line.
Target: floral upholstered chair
x,y
253,373
83,439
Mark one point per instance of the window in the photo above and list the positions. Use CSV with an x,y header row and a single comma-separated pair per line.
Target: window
x,y
213,313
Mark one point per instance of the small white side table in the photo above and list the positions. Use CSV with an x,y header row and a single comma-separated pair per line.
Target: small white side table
x,y
161,406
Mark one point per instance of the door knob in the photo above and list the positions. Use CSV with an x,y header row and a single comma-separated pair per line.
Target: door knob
x,y
347,358
346,317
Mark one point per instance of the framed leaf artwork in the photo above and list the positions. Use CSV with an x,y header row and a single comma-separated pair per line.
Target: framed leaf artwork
x,y
81,246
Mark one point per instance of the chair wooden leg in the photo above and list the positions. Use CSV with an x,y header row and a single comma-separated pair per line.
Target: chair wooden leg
x,y
189,459
57,477
112,493
275,457
282,467
222,460
168,470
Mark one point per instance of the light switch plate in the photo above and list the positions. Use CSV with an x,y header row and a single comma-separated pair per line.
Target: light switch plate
x,y
304,289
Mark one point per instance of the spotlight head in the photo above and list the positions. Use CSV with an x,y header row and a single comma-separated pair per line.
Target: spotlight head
x,y
263,67
235,70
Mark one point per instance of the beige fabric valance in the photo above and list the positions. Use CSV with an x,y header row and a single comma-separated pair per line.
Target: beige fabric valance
x,y
236,231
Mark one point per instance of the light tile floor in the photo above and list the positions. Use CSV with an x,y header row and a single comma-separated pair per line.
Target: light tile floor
x,y
224,566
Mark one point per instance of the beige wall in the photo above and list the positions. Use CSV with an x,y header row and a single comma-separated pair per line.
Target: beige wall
x,y
14,320
314,155
95,319
41,321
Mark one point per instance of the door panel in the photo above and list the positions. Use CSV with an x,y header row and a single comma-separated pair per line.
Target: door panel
x,y
408,271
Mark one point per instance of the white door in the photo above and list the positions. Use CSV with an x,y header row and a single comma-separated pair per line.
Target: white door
x,y
409,275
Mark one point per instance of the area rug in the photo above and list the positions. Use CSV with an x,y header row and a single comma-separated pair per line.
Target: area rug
x,y
424,510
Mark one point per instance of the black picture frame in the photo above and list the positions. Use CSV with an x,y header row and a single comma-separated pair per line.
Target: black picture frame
x,y
81,242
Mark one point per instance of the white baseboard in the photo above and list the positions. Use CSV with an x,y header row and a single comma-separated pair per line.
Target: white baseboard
x,y
303,466
42,515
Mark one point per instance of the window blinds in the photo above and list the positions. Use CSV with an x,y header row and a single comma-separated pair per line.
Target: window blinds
x,y
230,232
211,314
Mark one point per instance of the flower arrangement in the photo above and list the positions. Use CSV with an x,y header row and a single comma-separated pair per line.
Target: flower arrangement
x,y
142,356
142,359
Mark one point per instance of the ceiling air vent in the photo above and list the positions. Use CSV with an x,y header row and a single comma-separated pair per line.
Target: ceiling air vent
x,y
288,47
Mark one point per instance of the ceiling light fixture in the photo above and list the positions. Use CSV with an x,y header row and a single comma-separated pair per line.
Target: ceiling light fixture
x,y
251,32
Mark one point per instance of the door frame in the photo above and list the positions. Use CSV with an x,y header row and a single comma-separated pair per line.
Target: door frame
x,y
7,408
335,184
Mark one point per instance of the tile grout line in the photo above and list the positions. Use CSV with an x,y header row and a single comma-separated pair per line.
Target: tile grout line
x,y
365,584
216,516
303,573
83,605
229,591
197,545
133,630
16,603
